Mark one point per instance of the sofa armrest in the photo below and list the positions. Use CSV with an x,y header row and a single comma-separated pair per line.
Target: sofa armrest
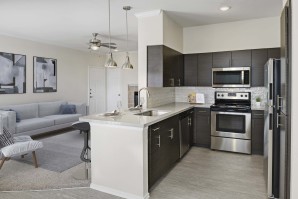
x,y
9,120
80,107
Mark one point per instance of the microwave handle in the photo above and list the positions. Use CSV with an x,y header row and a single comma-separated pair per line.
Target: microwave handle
x,y
242,77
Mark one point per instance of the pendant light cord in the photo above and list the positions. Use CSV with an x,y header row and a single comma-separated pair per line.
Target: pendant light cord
x,y
126,34
110,25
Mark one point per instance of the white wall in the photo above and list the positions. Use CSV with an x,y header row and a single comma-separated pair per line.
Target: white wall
x,y
119,79
294,131
172,34
249,34
72,67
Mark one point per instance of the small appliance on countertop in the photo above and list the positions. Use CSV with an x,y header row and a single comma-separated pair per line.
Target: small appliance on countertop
x,y
231,122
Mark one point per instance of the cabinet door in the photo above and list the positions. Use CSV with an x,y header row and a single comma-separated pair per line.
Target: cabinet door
x,y
257,132
274,53
259,59
222,59
172,139
155,66
203,128
178,69
204,69
185,134
190,69
157,164
241,58
168,66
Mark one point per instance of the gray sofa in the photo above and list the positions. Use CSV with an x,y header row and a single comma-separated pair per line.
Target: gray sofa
x,y
38,118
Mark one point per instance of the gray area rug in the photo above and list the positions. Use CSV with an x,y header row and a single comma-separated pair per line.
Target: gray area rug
x,y
60,152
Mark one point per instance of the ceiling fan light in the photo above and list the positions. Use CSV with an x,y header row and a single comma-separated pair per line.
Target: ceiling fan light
x,y
110,63
127,64
94,47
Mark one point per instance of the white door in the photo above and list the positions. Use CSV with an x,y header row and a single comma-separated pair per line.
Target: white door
x,y
97,90
114,88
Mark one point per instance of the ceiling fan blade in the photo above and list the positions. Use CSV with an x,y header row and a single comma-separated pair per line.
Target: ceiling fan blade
x,y
107,46
112,44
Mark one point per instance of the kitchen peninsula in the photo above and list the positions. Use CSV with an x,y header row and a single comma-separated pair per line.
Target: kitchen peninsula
x,y
119,155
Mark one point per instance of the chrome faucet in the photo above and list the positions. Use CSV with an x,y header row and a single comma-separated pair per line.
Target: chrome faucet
x,y
139,95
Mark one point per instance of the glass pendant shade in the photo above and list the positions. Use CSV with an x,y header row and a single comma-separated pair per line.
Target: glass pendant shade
x,y
110,63
127,64
94,47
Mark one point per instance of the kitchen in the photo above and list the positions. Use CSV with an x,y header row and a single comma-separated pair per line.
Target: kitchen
x,y
144,156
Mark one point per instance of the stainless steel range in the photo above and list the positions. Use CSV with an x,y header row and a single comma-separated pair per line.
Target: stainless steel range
x,y
231,122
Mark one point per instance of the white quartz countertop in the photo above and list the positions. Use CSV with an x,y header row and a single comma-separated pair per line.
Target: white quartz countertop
x,y
128,118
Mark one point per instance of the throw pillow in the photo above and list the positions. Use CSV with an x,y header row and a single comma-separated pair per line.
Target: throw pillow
x,y
68,109
18,119
6,138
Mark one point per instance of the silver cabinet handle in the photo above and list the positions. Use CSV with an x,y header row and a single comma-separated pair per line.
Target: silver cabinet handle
x,y
172,82
179,82
202,111
172,134
156,129
158,137
189,121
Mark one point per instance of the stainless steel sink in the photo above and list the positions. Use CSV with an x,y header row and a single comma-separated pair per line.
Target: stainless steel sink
x,y
152,113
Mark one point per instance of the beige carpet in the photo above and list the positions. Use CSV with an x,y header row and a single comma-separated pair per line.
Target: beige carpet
x,y
16,176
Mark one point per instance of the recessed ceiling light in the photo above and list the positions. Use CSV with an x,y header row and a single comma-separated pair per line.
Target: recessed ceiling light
x,y
116,50
225,8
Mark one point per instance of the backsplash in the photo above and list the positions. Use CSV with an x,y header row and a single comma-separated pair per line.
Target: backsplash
x,y
181,93
160,96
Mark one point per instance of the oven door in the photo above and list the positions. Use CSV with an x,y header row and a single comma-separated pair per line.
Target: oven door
x,y
231,124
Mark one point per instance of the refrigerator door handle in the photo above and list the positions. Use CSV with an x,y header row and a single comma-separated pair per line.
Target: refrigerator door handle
x,y
278,119
279,102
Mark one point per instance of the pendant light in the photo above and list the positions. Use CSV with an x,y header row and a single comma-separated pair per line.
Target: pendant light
x,y
127,64
110,63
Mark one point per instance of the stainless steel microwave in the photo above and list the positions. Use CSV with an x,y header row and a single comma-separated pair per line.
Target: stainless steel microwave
x,y
231,77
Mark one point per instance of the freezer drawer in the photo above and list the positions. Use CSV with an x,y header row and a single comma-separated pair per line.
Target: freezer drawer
x,y
230,144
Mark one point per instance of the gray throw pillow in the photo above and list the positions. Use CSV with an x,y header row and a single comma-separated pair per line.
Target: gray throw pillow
x,y
68,109
6,138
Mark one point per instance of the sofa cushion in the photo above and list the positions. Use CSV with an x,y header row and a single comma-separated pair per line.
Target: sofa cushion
x,y
65,118
68,109
25,111
33,124
49,108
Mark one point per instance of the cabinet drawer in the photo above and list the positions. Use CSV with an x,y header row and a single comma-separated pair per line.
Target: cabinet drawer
x,y
202,111
257,114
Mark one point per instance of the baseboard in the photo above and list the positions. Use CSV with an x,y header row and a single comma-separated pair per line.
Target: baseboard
x,y
117,192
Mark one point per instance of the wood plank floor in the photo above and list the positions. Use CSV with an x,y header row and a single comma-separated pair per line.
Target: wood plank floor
x,y
201,174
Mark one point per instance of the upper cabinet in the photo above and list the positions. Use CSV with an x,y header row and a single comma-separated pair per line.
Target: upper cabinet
x,y
191,70
222,59
169,68
205,69
239,58
165,67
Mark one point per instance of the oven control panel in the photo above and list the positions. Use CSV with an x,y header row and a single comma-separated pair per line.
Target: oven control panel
x,y
232,95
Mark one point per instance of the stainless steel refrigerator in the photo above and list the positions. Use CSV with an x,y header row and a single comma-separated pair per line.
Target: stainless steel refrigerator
x,y
272,128
277,136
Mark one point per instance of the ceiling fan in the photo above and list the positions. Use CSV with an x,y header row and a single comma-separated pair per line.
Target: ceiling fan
x,y
95,43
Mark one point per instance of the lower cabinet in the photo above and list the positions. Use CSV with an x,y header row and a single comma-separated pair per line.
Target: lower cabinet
x,y
164,148
202,134
257,132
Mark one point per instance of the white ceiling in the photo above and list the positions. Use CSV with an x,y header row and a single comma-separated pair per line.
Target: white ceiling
x,y
70,23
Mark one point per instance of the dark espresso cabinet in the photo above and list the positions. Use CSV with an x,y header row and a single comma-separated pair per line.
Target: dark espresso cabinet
x,y
204,69
163,147
191,70
202,134
222,59
241,58
164,67
257,130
